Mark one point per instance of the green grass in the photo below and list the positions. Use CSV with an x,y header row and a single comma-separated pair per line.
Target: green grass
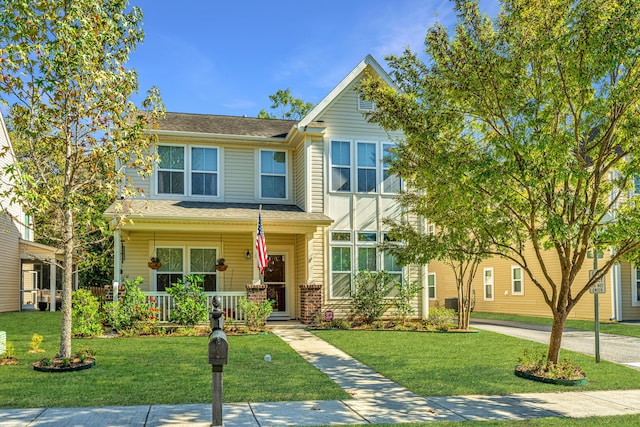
x,y
615,421
437,364
628,330
138,371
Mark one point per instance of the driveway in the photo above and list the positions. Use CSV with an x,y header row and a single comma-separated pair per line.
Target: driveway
x,y
614,348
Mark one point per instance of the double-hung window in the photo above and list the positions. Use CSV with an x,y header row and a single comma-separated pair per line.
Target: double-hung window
x,y
341,264
431,285
171,169
390,182
172,267
367,166
635,287
517,287
488,283
367,251
273,174
340,166
203,261
204,171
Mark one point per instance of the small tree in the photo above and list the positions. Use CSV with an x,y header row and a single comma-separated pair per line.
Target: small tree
x,y
190,302
536,113
368,300
73,126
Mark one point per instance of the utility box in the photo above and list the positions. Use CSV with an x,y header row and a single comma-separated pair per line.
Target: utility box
x,y
451,303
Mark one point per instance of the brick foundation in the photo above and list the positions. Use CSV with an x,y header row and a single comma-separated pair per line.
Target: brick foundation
x,y
310,302
257,293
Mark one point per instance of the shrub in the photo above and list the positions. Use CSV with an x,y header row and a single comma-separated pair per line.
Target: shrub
x,y
536,363
36,340
132,314
368,304
9,351
85,314
406,295
189,300
255,314
441,319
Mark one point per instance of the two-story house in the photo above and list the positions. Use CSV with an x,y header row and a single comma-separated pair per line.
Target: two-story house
x,y
25,266
322,183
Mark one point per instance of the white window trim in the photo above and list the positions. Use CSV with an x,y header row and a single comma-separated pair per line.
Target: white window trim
x,y
343,244
349,166
365,105
634,287
382,155
382,236
377,165
513,289
184,263
285,175
484,284
191,171
435,287
184,171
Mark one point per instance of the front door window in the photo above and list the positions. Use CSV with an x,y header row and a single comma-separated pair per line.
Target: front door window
x,y
274,278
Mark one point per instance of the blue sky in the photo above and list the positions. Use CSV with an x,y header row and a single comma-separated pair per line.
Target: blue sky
x,y
227,57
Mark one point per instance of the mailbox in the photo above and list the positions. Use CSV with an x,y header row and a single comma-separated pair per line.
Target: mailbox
x,y
218,349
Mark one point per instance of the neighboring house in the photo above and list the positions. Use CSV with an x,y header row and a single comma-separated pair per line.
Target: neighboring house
x,y
24,264
322,184
501,286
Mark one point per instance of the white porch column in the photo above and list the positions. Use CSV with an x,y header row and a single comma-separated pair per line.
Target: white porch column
x,y
52,283
256,273
117,263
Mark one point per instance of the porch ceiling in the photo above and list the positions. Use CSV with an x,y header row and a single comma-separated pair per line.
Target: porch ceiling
x,y
224,214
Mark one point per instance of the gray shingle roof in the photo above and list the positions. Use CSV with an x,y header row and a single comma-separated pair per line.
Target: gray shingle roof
x,y
183,210
226,125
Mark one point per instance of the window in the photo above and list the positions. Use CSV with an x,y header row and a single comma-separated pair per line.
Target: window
x,y
340,166
341,272
27,227
635,287
364,105
273,174
366,167
488,283
431,285
364,248
390,182
171,169
172,267
517,287
203,261
204,171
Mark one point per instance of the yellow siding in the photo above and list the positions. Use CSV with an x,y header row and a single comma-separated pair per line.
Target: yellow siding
x,y
9,265
240,177
299,193
531,303
317,184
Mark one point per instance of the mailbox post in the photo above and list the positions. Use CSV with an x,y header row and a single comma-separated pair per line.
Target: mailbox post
x,y
218,356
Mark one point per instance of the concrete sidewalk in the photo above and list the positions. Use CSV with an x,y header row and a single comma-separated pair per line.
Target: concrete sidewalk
x,y
376,400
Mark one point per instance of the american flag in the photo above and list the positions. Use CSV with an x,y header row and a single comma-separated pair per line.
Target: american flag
x,y
261,246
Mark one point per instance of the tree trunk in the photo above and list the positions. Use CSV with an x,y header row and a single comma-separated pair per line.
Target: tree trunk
x,y
555,342
67,287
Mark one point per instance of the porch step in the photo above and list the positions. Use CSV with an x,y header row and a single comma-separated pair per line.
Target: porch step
x,y
285,324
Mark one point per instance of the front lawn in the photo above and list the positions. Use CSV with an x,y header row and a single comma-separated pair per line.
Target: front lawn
x,y
444,364
149,370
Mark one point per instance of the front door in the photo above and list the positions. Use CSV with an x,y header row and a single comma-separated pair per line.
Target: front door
x,y
275,277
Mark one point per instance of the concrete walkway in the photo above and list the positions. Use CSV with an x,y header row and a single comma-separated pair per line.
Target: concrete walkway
x,y
376,399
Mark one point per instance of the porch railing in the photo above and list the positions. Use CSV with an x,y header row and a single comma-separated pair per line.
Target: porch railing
x,y
229,304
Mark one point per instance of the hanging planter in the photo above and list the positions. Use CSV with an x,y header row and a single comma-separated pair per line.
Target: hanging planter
x,y
220,265
155,263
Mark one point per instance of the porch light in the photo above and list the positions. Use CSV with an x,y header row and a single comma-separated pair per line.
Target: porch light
x,y
247,254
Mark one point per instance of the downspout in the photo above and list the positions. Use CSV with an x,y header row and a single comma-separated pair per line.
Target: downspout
x,y
117,262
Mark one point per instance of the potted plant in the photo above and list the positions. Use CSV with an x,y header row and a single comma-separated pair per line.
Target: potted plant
x,y
155,263
220,265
